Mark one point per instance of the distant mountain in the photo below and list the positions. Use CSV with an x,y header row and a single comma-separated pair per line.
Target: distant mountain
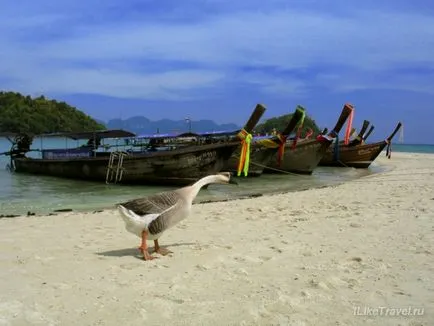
x,y
142,125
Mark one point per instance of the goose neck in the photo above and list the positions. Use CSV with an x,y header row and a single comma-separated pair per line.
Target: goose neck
x,y
203,182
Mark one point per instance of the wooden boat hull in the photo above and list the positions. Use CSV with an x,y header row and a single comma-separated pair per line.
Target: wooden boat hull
x,y
163,167
179,166
261,151
303,159
260,156
360,156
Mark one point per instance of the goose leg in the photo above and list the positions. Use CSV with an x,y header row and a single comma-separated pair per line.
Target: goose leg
x,y
159,250
144,247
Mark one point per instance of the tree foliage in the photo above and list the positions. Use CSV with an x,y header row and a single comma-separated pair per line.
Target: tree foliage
x,y
23,114
280,123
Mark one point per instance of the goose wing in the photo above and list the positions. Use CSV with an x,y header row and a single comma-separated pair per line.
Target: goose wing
x,y
154,204
166,219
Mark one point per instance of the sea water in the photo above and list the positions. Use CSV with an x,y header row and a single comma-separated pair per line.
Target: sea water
x,y
22,193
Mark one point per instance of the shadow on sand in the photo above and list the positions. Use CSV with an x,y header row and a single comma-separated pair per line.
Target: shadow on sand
x,y
135,251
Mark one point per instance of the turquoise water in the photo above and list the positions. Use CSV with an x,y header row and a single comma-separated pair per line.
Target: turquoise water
x,y
409,148
40,194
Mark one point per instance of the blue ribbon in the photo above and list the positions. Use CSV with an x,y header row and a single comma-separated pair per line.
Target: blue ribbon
x,y
336,149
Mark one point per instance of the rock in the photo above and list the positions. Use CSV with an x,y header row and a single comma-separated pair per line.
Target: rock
x,y
9,215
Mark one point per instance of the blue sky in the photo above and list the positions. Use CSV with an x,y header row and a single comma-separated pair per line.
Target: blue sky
x,y
215,59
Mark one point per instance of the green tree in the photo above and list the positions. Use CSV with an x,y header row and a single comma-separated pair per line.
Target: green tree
x,y
280,122
22,114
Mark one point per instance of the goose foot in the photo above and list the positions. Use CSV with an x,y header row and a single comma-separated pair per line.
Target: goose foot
x,y
163,251
144,247
160,250
147,255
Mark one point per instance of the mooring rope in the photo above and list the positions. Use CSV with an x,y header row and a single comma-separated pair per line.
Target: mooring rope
x,y
270,168
346,166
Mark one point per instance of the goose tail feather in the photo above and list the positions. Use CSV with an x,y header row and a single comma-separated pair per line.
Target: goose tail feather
x,y
126,214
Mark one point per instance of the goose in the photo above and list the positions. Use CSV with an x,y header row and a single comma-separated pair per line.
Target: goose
x,y
150,216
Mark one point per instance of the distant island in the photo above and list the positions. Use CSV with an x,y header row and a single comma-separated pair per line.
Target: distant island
x,y
142,125
24,114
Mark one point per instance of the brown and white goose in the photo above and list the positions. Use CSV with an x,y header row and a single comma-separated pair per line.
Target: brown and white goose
x,y
150,216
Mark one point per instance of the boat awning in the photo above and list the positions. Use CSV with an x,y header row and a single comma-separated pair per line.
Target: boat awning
x,y
219,133
114,133
190,134
150,136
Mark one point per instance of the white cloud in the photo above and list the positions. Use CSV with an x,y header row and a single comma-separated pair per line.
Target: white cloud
x,y
287,39
355,80
169,85
370,43
270,84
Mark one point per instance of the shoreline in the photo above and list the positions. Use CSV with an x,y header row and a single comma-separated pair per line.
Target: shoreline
x,y
92,210
324,256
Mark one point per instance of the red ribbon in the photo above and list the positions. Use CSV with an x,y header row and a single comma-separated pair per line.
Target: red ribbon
x,y
281,150
294,144
348,131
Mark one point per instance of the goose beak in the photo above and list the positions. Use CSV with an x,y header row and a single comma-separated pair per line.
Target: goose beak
x,y
230,176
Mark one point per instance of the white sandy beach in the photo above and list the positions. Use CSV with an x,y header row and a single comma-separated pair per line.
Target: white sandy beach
x,y
307,258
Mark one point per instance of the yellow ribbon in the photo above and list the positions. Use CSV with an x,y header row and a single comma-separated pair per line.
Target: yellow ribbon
x,y
266,142
243,164
300,127
269,143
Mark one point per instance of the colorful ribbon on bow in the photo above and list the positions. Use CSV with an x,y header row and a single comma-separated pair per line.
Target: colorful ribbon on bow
x,y
300,127
267,142
336,149
349,126
281,149
244,162
274,144
389,148
327,138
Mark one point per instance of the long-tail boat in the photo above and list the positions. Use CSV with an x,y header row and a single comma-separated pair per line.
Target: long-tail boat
x,y
303,156
262,149
362,136
358,154
365,137
359,138
182,165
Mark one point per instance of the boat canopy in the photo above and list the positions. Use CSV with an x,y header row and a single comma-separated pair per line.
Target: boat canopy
x,y
219,133
189,134
102,134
